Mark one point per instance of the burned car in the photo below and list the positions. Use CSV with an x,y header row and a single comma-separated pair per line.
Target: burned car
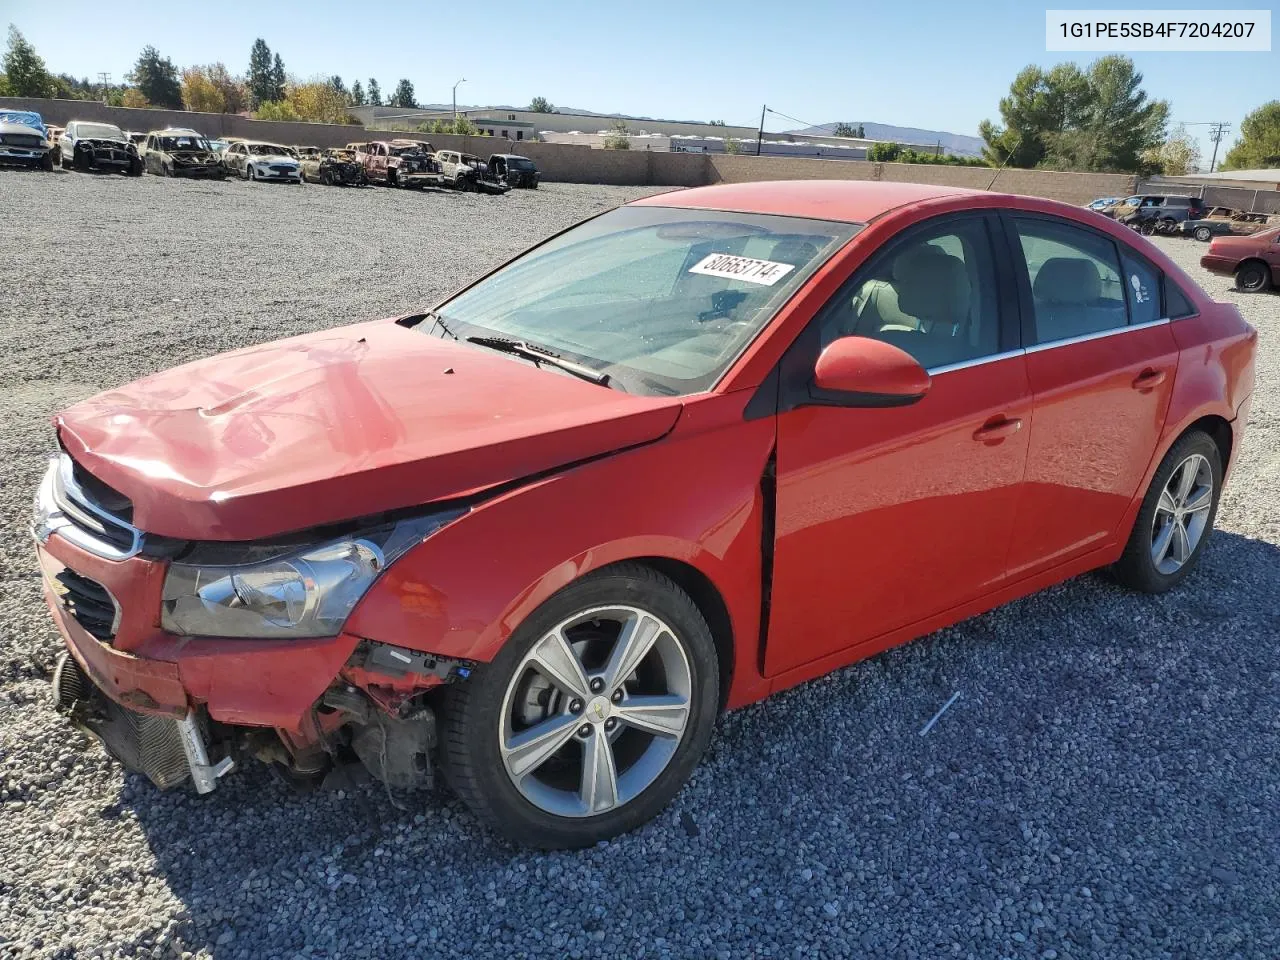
x,y
24,140
182,153
513,170
87,145
257,160
334,167
467,172
400,163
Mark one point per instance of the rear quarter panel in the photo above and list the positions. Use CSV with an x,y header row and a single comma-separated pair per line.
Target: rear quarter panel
x,y
692,497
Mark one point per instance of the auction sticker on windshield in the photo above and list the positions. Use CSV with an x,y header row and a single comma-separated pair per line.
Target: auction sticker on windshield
x,y
764,272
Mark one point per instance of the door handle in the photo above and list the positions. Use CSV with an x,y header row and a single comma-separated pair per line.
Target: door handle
x,y
997,429
1149,379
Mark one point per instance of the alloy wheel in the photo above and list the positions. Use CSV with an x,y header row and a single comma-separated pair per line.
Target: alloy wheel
x,y
595,711
1182,514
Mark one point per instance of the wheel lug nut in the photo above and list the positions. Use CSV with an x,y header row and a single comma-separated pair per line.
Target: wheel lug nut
x,y
610,723
617,695
597,685
584,730
575,706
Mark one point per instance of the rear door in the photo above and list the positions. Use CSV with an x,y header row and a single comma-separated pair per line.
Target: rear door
x,y
1101,359
887,515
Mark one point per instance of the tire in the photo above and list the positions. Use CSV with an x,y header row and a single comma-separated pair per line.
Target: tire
x,y
1253,276
326,177
477,718
79,161
246,173
1138,567
46,162
1203,234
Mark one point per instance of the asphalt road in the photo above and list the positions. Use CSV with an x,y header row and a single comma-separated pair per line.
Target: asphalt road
x,y
1106,784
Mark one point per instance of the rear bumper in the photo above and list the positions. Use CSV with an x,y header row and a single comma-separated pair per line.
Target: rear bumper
x,y
257,683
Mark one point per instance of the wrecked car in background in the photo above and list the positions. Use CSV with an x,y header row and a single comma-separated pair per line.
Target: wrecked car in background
x,y
400,163
467,172
88,145
182,153
334,167
24,140
513,170
258,160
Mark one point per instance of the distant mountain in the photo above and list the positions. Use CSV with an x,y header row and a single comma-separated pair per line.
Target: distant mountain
x,y
951,142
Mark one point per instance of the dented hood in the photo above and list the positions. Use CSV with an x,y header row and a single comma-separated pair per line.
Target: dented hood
x,y
335,425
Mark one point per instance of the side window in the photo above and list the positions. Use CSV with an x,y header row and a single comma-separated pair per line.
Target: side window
x,y
1176,304
934,296
1075,280
1143,290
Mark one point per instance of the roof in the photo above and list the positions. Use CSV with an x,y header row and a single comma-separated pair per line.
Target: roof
x,y
853,201
1261,176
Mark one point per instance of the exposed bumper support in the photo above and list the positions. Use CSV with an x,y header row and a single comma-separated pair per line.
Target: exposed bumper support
x,y
203,775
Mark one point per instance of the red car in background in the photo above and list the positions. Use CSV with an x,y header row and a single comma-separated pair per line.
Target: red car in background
x,y
688,453
1253,260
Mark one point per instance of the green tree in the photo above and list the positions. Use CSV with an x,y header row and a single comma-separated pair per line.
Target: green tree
x,y
260,81
885,152
1066,118
845,130
1259,143
235,97
276,110
24,71
277,77
357,94
157,79
375,93
403,97
541,105
338,86
463,126
617,138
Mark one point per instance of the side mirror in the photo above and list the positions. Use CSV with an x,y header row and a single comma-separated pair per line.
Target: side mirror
x,y
862,372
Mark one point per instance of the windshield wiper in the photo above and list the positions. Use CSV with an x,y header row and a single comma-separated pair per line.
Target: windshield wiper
x,y
539,355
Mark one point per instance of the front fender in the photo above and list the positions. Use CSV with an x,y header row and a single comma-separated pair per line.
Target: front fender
x,y
694,497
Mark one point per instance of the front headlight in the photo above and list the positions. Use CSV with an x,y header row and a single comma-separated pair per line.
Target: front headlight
x,y
304,592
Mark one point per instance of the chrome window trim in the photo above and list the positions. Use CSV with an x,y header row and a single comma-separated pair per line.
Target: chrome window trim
x,y
975,362
1101,334
54,514
1040,347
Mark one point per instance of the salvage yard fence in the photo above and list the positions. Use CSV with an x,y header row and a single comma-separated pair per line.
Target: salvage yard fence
x,y
576,163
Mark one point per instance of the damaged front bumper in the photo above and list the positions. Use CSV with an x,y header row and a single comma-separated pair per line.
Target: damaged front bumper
x,y
175,708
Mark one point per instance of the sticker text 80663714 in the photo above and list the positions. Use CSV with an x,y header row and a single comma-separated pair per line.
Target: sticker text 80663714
x,y
764,272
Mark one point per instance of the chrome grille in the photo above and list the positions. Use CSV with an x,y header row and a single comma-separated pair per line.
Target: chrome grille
x,y
84,510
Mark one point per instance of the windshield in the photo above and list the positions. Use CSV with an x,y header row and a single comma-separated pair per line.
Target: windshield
x,y
269,150
184,143
99,131
404,151
661,299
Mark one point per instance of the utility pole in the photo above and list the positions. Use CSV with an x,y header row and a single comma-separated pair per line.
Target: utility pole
x,y
455,99
1216,132
105,78
760,135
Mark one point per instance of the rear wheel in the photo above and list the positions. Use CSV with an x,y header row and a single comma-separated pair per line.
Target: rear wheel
x,y
1176,517
593,715
1203,234
1253,276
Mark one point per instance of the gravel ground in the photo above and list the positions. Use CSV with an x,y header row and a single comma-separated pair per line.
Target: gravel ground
x,y
1106,784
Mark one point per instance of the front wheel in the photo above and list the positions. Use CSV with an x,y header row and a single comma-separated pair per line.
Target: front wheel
x,y
1176,517
1203,234
591,718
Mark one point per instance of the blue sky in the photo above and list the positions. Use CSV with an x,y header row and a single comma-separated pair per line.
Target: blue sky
x,y
937,64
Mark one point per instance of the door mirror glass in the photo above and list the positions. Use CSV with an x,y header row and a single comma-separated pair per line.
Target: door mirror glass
x,y
860,371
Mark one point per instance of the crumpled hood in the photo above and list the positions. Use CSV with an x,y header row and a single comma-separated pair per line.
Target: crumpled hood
x,y
340,424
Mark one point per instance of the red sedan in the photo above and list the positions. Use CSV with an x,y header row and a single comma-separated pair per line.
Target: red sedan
x,y
683,455
1253,260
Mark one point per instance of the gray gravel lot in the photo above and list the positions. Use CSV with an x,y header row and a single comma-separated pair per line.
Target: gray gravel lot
x,y
1106,785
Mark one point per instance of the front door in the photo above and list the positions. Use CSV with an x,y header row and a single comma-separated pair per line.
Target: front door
x,y
1101,359
888,515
